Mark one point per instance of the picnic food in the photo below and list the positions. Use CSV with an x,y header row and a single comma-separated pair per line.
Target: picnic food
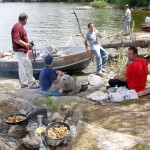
x,y
58,132
13,119
40,130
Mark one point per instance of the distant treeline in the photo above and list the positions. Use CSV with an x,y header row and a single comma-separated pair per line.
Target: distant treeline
x,y
96,3
135,3
46,0
121,3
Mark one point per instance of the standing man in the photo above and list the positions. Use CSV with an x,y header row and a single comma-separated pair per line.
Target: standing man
x,y
127,19
20,47
91,39
135,76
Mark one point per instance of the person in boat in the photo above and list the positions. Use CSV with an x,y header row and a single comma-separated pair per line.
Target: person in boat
x,y
53,80
20,47
135,76
127,19
91,40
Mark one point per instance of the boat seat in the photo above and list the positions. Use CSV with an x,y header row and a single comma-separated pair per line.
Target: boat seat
x,y
40,91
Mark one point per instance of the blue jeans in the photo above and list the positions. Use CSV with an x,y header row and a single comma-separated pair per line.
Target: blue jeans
x,y
101,57
127,25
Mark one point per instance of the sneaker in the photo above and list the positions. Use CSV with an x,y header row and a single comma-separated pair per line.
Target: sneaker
x,y
126,34
34,86
66,91
100,73
103,70
107,87
83,88
24,86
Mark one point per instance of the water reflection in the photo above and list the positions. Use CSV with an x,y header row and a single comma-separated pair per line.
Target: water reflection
x,y
55,22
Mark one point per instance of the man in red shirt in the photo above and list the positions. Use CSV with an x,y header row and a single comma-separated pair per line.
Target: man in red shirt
x,y
20,47
135,76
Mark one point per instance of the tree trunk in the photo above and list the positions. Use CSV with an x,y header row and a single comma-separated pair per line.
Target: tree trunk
x,y
145,55
137,43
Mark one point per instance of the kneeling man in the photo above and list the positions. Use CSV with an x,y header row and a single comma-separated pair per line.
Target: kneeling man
x,y
53,80
135,76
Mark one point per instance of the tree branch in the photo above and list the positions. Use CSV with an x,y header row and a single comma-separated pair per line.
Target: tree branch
x,y
78,24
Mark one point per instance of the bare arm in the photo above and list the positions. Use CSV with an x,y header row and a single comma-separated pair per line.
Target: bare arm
x,y
58,72
58,79
59,75
86,45
24,44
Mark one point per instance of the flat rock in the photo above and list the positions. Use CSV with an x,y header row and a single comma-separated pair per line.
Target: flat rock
x,y
32,143
7,145
17,131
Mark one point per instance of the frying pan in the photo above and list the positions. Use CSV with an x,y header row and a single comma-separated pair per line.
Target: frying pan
x,y
23,122
56,142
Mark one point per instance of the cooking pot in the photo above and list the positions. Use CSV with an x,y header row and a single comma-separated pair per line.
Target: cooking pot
x,y
56,142
22,122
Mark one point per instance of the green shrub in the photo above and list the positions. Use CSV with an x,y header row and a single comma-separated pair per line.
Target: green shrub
x,y
118,66
51,104
138,3
99,3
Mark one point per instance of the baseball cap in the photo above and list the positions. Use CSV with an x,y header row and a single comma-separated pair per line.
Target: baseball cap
x,y
48,59
126,5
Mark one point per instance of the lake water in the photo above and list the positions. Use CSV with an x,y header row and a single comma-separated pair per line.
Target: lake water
x,y
54,23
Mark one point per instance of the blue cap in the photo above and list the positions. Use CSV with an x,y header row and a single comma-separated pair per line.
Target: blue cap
x,y
48,59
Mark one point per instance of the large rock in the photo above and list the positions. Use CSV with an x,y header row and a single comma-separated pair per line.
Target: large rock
x,y
31,143
7,145
17,131
95,137
56,117
9,85
31,97
12,104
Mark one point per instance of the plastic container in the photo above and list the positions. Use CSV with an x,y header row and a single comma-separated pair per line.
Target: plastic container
x,y
116,88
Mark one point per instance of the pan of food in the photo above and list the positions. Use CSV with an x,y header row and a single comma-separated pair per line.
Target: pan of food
x,y
56,132
17,119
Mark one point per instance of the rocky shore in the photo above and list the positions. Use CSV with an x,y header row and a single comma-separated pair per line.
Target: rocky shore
x,y
107,126
101,126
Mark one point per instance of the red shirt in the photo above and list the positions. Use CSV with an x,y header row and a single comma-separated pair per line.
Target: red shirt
x,y
18,33
136,74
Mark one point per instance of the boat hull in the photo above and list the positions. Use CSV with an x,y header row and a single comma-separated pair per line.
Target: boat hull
x,y
73,62
145,27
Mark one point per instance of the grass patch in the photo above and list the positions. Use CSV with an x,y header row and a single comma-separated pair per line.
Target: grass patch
x,y
74,78
118,66
51,105
137,105
141,147
99,3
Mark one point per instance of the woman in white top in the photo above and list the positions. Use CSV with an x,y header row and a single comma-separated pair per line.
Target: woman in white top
x,y
127,19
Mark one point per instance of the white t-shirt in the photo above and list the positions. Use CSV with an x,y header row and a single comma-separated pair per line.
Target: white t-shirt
x,y
92,38
128,14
